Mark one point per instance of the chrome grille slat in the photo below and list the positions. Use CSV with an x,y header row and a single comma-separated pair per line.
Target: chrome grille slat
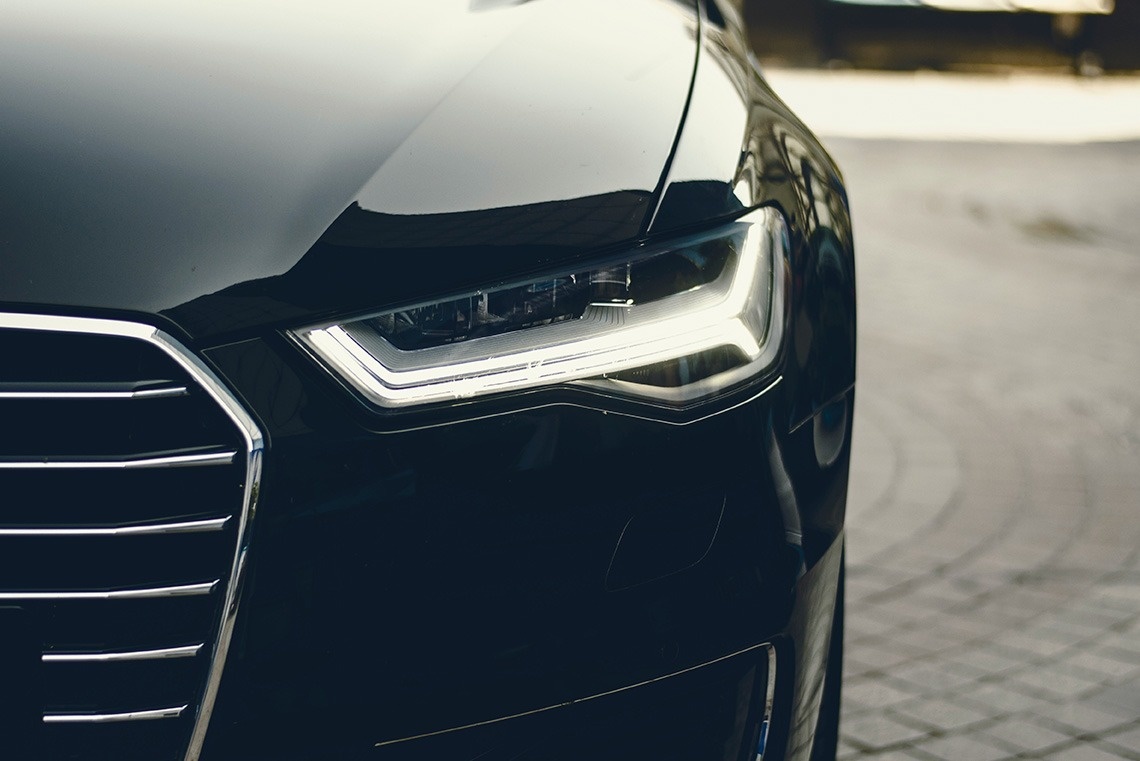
x,y
107,718
181,527
188,651
141,502
167,461
81,391
182,590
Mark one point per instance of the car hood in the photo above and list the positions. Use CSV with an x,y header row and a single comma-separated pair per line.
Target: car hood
x,y
177,157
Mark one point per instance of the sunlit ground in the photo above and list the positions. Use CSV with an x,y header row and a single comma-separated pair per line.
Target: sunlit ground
x,y
1022,107
993,545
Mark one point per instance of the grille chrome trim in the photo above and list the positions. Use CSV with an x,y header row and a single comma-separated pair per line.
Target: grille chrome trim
x,y
136,655
184,590
769,705
254,449
255,444
164,392
167,461
106,718
182,527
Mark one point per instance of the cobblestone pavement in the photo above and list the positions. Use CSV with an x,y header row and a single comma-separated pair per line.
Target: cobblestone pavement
x,y
994,513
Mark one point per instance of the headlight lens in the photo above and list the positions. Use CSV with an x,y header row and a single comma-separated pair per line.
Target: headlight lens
x,y
670,325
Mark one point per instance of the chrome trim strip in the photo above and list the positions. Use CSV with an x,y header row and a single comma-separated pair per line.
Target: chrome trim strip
x,y
771,694
769,704
160,393
171,461
254,446
106,718
183,527
146,393
137,655
184,590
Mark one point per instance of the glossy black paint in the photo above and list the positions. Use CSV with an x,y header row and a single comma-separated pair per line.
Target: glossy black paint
x,y
367,260
412,576
740,147
154,156
20,661
407,583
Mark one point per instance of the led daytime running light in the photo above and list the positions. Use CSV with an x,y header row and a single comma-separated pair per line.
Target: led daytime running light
x,y
734,311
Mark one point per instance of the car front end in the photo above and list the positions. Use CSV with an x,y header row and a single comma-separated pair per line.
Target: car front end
x,y
391,383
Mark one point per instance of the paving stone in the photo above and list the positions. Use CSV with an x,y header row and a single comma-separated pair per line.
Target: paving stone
x,y
961,747
1122,699
945,592
858,591
999,612
930,676
874,693
911,562
853,668
1103,557
1095,616
1108,598
925,639
1127,740
1023,736
879,578
1038,643
1129,753
879,653
863,625
1054,682
1128,593
998,699
964,626
896,608
1093,663
980,585
876,732
903,754
991,658
1085,752
1079,719
1057,627
938,714
1123,646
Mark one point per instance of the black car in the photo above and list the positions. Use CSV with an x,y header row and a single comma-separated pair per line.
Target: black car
x,y
453,380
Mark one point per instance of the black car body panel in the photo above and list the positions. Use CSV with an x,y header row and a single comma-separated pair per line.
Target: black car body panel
x,y
156,156
546,574
741,147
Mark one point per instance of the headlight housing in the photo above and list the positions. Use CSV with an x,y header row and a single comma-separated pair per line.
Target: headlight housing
x,y
672,325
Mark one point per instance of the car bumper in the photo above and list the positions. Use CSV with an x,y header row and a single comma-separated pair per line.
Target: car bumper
x,y
485,585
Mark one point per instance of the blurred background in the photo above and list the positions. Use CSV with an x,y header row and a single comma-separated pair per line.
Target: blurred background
x,y
991,150
1088,35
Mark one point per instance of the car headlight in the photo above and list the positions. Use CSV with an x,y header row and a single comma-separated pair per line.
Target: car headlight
x,y
672,324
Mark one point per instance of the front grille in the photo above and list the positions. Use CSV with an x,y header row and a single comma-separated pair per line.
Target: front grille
x,y
127,479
